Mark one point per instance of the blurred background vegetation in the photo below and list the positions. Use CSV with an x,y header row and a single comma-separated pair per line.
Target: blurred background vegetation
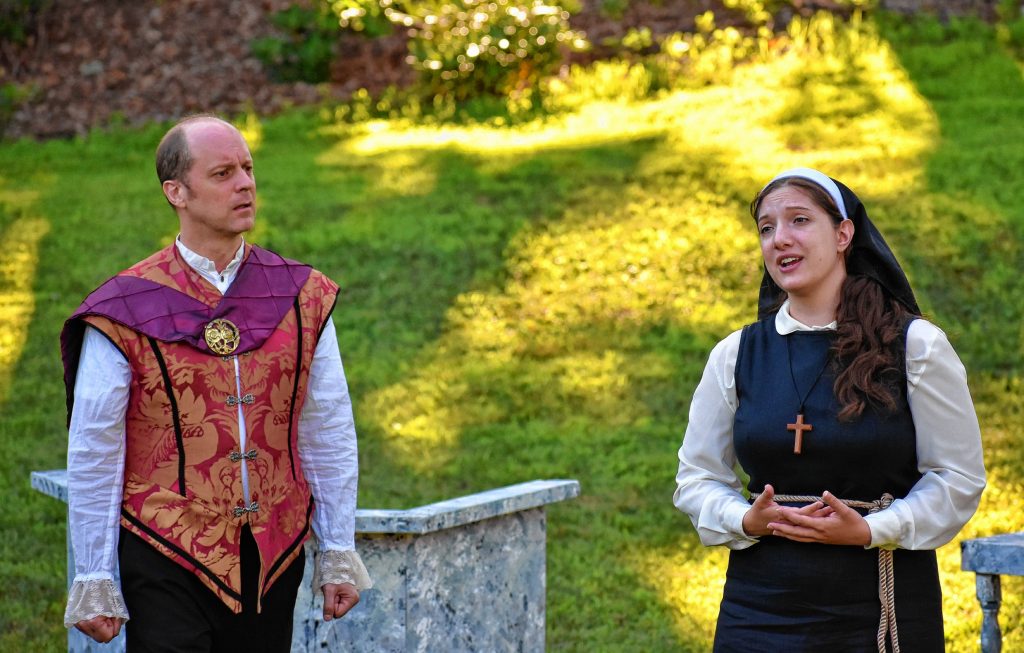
x,y
536,259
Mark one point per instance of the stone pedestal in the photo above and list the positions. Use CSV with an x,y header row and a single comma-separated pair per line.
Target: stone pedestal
x,y
468,574
989,558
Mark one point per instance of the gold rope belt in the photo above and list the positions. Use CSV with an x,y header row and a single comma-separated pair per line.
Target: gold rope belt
x,y
886,572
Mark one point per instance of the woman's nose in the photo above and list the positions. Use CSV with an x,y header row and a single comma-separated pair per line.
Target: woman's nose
x,y
781,236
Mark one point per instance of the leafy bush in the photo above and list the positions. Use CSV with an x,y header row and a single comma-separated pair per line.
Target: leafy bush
x,y
1010,29
1009,10
1011,34
367,18
465,48
306,47
648,66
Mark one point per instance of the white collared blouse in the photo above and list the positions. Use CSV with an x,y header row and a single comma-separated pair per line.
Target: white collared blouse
x,y
949,453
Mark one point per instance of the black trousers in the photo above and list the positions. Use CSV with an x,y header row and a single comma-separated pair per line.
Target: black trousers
x,y
172,612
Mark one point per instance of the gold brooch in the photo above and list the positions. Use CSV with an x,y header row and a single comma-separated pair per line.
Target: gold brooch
x,y
221,336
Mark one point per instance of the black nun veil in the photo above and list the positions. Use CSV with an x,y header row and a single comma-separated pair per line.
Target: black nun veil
x,y
869,255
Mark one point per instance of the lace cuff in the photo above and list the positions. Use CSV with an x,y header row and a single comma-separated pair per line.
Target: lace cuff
x,y
341,567
92,598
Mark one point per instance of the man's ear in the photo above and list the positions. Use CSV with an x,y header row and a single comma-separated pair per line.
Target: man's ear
x,y
844,235
175,192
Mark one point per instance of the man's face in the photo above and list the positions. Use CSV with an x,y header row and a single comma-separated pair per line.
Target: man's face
x,y
218,199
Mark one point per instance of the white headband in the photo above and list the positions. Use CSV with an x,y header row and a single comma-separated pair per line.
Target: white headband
x,y
819,178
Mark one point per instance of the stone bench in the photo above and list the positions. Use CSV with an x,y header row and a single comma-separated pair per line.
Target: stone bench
x,y
988,558
467,574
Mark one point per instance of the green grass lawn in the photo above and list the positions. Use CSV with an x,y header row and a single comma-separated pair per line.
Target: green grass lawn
x,y
538,301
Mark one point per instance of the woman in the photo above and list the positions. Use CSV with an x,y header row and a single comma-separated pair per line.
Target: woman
x,y
851,416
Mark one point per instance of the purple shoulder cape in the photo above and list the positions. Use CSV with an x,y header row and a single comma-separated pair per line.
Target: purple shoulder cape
x,y
262,294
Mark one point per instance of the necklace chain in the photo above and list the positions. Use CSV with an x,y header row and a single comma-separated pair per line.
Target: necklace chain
x,y
799,426
792,376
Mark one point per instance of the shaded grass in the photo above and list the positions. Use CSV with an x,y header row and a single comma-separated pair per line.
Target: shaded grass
x,y
973,211
538,301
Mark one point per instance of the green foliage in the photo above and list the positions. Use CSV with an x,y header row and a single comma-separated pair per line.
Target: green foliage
x,y
638,40
467,48
18,18
363,16
1009,10
709,55
11,97
409,105
1011,34
613,8
305,47
1010,28
758,12
653,66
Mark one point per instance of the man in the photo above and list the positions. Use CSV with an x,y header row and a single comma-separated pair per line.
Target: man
x,y
210,426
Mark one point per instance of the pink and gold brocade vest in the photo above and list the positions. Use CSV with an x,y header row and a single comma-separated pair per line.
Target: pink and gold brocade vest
x,y
183,490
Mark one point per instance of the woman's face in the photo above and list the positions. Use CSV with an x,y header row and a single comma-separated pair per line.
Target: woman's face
x,y
801,245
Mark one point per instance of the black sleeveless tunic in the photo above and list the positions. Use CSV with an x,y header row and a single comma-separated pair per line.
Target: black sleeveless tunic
x,y
782,595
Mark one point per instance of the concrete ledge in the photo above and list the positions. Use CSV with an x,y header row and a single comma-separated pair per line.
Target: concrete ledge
x,y
998,554
468,509
53,483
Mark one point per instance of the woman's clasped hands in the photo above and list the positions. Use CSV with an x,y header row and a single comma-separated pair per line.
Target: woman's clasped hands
x,y
827,521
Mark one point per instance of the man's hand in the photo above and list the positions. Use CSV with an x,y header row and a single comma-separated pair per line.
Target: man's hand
x,y
339,599
101,628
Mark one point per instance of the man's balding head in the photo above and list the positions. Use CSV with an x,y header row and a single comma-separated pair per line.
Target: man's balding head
x,y
173,157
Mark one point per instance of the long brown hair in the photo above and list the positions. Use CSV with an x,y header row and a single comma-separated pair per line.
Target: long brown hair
x,y
868,351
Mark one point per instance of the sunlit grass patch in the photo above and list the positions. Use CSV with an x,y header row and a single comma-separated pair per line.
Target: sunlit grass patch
x,y
252,130
691,582
17,199
600,122
19,258
559,340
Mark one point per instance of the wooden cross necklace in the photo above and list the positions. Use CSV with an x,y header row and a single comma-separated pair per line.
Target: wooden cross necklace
x,y
799,426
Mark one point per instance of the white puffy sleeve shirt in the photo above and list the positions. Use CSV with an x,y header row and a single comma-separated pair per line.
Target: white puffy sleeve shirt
x,y
949,454
96,442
